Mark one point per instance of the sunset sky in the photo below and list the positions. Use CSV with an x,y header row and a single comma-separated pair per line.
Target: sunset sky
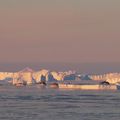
x,y
59,31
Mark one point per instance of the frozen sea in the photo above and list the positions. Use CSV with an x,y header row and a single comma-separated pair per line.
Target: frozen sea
x,y
34,103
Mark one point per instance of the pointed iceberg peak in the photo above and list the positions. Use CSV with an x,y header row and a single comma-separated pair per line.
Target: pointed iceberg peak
x,y
27,69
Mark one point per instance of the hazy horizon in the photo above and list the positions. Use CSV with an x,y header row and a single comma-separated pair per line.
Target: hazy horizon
x,y
82,68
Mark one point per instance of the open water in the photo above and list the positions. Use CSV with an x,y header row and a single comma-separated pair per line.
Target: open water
x,y
34,103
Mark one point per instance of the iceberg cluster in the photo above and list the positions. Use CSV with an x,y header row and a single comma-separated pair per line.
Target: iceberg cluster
x,y
28,76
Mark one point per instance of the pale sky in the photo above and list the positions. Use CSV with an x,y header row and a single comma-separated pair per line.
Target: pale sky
x,y
59,31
